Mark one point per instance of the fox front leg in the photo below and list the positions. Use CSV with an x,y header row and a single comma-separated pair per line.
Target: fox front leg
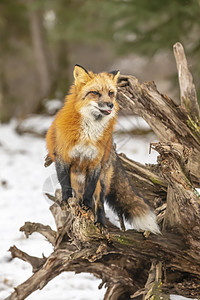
x,y
92,178
63,174
99,209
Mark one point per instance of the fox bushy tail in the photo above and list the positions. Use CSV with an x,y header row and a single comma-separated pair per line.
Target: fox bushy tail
x,y
125,201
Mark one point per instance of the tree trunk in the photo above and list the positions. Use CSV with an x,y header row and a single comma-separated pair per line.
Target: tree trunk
x,y
42,60
130,264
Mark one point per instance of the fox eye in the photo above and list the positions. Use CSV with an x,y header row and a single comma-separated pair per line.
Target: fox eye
x,y
110,93
95,93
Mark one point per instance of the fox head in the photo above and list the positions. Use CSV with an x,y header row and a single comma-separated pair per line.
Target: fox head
x,y
96,93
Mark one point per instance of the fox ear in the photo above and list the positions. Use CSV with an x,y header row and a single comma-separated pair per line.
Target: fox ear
x,y
81,75
115,75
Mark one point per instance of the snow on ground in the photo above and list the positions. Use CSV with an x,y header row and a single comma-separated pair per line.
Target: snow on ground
x,y
135,147
23,180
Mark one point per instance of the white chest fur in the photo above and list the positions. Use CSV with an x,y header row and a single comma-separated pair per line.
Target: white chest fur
x,y
92,129
84,152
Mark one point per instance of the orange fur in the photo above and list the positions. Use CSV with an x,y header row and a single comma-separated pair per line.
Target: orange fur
x,y
69,129
64,132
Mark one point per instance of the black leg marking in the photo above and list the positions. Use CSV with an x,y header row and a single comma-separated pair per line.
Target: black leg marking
x,y
63,173
121,221
90,186
100,213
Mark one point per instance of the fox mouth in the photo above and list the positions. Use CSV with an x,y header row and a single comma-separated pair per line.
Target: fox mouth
x,y
106,111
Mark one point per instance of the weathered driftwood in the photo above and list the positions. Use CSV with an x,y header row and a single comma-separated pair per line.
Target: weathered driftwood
x,y
130,265
170,122
188,93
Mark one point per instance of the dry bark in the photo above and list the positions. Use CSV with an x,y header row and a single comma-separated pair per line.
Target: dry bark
x,y
131,265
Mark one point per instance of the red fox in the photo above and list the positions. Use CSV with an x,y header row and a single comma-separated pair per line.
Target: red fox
x,y
79,141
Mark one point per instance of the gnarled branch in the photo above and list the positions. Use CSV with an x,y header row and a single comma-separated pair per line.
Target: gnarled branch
x,y
188,93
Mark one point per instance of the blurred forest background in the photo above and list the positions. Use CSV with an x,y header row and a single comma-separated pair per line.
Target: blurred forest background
x,y
41,40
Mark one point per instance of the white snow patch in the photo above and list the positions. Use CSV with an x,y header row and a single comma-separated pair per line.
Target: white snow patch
x,y
38,124
53,105
175,297
135,147
127,123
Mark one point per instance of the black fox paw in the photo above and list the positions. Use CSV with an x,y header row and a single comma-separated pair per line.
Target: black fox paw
x,y
102,228
64,205
85,207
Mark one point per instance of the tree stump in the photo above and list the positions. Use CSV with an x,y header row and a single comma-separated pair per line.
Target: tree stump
x,y
131,265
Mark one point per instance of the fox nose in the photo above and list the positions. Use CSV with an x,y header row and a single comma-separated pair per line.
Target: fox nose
x,y
110,104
